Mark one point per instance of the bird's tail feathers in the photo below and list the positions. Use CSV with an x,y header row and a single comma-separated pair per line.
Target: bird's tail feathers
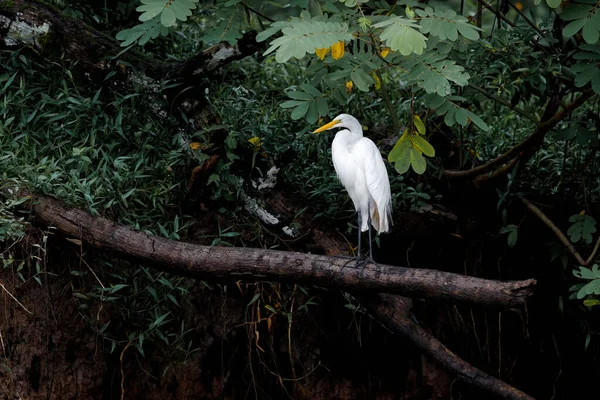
x,y
381,222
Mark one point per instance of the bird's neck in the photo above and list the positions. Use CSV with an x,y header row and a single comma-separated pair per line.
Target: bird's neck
x,y
349,137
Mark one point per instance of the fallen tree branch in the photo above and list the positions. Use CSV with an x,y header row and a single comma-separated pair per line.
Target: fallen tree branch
x,y
392,313
561,236
535,139
258,264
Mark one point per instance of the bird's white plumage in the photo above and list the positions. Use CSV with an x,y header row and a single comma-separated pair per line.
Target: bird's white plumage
x,y
360,168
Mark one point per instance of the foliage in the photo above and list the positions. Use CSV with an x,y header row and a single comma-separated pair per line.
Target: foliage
x,y
417,73
590,288
409,150
513,232
107,152
11,226
582,228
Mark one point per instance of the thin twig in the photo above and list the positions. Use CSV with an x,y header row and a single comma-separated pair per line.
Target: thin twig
x,y
15,299
497,14
504,102
247,7
388,103
526,18
561,236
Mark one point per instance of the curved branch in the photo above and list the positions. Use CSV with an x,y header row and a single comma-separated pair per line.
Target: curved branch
x,y
561,236
391,312
259,264
529,143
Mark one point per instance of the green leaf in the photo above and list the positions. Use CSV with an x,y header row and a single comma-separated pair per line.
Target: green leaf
x,y
512,238
401,146
229,25
256,297
150,11
419,124
311,90
583,227
270,31
446,24
300,95
361,79
400,155
300,111
421,144
449,117
477,121
322,106
433,100
167,18
304,36
399,35
573,27
576,11
585,75
313,114
553,3
591,303
435,76
403,163
596,81
417,161
590,32
461,117
180,10
291,103
584,273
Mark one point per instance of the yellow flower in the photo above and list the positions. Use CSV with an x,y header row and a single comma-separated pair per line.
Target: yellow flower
x,y
321,53
194,145
349,85
384,52
337,50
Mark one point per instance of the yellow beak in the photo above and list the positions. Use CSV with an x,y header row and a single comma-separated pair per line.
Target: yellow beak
x,y
327,126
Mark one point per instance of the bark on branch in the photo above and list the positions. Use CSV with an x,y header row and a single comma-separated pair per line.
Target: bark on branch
x,y
529,144
391,310
259,264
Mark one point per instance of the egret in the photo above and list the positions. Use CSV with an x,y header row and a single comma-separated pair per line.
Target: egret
x,y
360,168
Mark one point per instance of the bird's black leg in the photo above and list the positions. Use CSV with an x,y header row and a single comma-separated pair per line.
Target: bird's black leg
x,y
363,263
359,232
370,242
357,257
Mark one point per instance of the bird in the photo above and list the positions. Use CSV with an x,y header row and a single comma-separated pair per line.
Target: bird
x,y
361,170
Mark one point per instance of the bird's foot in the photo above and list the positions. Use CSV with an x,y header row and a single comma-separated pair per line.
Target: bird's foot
x,y
363,263
349,258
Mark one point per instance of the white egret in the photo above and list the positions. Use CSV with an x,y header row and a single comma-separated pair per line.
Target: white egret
x,y
360,168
